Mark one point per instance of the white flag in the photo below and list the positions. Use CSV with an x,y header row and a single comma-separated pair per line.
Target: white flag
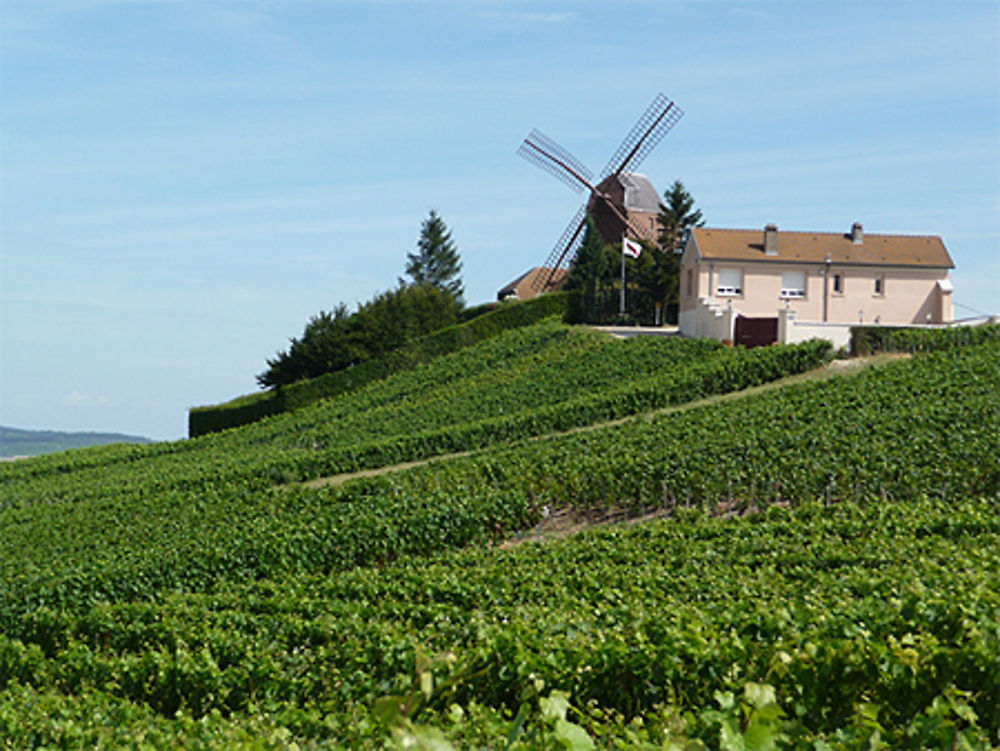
x,y
631,248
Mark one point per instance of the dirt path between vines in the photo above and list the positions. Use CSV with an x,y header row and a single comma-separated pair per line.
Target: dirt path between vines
x,y
835,368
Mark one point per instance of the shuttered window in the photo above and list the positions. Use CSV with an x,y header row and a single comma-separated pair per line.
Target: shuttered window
x,y
730,282
793,284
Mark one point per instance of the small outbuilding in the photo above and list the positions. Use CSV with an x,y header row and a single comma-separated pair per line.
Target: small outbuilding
x,y
532,283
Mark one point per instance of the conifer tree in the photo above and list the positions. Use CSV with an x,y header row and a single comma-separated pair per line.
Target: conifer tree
x,y
436,262
588,275
677,216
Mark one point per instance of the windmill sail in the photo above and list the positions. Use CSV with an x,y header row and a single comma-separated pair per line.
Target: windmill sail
x,y
539,149
564,250
542,151
658,119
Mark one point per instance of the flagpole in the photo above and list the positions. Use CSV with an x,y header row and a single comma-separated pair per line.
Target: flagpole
x,y
622,312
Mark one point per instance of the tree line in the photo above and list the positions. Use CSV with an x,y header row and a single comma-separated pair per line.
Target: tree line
x,y
431,299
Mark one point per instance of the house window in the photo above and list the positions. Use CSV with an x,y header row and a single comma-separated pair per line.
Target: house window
x,y
730,283
793,284
838,284
880,284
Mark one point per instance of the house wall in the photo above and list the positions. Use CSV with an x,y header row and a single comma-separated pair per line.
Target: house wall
x,y
708,320
792,331
699,277
910,295
945,311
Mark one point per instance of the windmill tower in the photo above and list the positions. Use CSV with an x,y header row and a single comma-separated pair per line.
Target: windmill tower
x,y
607,196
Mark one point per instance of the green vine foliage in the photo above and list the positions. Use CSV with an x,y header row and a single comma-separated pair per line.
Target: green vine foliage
x,y
817,568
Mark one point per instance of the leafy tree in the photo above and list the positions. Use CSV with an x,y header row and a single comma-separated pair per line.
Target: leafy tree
x,y
337,339
326,344
398,316
589,275
436,261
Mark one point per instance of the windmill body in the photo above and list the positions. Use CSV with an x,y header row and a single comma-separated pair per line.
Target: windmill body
x,y
635,198
616,186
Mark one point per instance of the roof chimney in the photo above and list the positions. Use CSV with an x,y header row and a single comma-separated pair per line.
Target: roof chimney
x,y
771,239
857,233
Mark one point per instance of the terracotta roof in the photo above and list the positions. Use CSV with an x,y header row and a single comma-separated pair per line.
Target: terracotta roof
x,y
524,285
814,247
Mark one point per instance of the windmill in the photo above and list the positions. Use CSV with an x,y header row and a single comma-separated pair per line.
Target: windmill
x,y
542,151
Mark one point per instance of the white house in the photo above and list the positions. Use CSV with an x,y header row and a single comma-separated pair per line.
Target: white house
x,y
758,287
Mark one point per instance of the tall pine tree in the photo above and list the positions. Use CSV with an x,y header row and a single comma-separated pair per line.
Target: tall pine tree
x,y
677,217
436,261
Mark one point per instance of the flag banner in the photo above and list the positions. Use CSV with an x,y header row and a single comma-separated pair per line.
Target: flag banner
x,y
631,248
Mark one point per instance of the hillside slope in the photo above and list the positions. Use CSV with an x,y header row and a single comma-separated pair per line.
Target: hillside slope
x,y
482,323
525,382
824,541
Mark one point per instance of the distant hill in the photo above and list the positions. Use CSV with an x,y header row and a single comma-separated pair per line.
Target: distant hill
x,y
15,442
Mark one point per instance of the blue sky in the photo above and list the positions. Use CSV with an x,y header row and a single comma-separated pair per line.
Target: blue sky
x,y
183,184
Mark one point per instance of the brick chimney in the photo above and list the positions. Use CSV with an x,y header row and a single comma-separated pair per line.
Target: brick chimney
x,y
771,239
857,233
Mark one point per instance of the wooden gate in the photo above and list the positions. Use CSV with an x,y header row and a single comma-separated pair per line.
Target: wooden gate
x,y
756,332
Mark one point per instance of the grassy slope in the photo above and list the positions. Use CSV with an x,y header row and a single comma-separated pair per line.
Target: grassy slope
x,y
126,521
479,324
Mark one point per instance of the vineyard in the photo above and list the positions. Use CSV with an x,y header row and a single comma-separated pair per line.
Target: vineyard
x,y
817,565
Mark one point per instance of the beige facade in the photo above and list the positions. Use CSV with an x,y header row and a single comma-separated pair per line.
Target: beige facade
x,y
826,278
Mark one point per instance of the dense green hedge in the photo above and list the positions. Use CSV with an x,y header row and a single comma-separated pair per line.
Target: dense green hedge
x,y
477,310
240,411
867,340
247,409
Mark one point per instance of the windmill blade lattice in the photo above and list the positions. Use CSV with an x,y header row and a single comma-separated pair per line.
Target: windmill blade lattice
x,y
646,134
542,151
564,250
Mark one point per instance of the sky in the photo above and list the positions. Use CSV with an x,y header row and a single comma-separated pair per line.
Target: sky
x,y
184,184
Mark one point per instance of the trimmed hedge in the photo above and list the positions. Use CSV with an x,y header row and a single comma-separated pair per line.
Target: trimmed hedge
x,y
477,310
868,340
253,407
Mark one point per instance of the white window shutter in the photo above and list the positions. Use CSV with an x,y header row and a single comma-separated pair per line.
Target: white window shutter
x,y
730,282
793,284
